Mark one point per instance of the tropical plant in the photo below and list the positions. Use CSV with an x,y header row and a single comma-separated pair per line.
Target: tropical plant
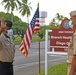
x,y
59,17
25,8
56,21
10,5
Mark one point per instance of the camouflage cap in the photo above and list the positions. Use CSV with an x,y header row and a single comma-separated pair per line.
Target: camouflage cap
x,y
73,13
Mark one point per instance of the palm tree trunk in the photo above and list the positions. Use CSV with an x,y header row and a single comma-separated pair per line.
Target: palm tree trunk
x,y
28,20
11,16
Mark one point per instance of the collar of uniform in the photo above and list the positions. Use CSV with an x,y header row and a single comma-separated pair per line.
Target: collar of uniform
x,y
3,36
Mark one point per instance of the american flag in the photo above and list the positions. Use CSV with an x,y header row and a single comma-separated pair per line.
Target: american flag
x,y
25,44
36,28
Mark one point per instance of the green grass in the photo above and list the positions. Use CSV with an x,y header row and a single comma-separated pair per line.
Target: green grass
x,y
60,69
18,39
35,39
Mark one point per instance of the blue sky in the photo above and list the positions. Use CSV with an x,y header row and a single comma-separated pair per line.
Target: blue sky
x,y
52,7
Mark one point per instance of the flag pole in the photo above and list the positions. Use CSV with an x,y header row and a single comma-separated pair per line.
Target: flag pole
x,y
36,29
39,47
39,54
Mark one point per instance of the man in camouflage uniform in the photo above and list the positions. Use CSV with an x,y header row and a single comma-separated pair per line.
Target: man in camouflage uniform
x,y
7,48
72,46
70,55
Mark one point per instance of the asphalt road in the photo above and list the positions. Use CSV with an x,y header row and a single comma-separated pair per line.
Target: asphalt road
x,y
30,65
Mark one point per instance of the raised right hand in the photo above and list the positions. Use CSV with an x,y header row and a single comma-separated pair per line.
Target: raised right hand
x,y
3,23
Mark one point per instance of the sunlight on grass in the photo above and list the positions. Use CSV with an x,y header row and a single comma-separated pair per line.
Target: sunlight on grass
x,y
60,69
17,40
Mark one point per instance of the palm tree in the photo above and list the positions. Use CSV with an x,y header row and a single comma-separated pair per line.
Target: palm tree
x,y
25,8
56,21
59,17
10,5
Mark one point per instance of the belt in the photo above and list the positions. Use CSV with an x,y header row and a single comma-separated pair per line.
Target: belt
x,y
6,62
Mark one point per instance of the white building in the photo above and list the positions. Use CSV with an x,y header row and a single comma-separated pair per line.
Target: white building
x,y
43,16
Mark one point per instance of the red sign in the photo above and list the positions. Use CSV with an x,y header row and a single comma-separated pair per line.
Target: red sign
x,y
60,37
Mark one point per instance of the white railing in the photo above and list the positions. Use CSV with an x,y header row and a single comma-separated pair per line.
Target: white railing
x,y
51,52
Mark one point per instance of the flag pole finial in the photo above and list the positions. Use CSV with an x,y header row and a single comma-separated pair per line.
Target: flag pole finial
x,y
38,4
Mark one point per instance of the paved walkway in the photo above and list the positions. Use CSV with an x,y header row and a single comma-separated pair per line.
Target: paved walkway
x,y
33,69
